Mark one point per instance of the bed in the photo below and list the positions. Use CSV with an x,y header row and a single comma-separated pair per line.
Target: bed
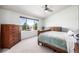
x,y
53,38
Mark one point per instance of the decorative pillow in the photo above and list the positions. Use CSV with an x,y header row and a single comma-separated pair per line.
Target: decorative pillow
x,y
70,33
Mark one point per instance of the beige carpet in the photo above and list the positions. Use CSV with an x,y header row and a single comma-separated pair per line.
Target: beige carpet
x,y
28,46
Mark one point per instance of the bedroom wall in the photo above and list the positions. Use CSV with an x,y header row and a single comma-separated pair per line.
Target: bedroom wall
x,y
11,17
66,18
28,35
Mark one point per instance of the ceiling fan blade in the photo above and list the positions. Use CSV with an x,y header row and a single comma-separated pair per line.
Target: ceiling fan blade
x,y
46,8
50,10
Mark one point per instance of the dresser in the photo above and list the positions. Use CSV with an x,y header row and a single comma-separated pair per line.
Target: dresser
x,y
11,35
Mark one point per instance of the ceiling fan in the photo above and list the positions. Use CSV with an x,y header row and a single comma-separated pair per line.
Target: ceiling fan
x,y
47,9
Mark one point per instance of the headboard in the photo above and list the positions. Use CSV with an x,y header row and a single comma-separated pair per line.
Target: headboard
x,y
56,28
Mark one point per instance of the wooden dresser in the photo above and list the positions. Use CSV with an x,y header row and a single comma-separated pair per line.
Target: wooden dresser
x,y
11,35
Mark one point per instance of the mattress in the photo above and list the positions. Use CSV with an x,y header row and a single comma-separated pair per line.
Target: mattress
x,y
54,38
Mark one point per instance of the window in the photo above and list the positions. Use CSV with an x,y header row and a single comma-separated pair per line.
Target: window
x,y
28,24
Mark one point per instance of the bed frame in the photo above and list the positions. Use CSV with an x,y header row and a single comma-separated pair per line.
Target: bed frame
x,y
56,49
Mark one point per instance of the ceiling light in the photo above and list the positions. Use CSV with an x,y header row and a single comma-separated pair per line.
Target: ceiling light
x,y
46,11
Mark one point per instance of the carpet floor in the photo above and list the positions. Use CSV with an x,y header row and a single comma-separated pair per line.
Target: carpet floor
x,y
28,46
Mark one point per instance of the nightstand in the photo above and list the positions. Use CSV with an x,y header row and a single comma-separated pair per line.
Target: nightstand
x,y
76,48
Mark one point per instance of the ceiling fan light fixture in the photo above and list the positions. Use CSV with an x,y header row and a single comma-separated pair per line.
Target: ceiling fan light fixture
x,y
46,10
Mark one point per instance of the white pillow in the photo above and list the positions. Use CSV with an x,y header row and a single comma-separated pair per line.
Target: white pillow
x,y
70,33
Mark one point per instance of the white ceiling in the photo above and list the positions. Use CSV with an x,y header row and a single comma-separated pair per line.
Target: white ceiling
x,y
35,10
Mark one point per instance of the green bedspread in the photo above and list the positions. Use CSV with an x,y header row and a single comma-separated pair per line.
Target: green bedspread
x,y
57,42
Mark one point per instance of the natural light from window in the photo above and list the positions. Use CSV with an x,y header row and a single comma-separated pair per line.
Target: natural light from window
x,y
28,24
